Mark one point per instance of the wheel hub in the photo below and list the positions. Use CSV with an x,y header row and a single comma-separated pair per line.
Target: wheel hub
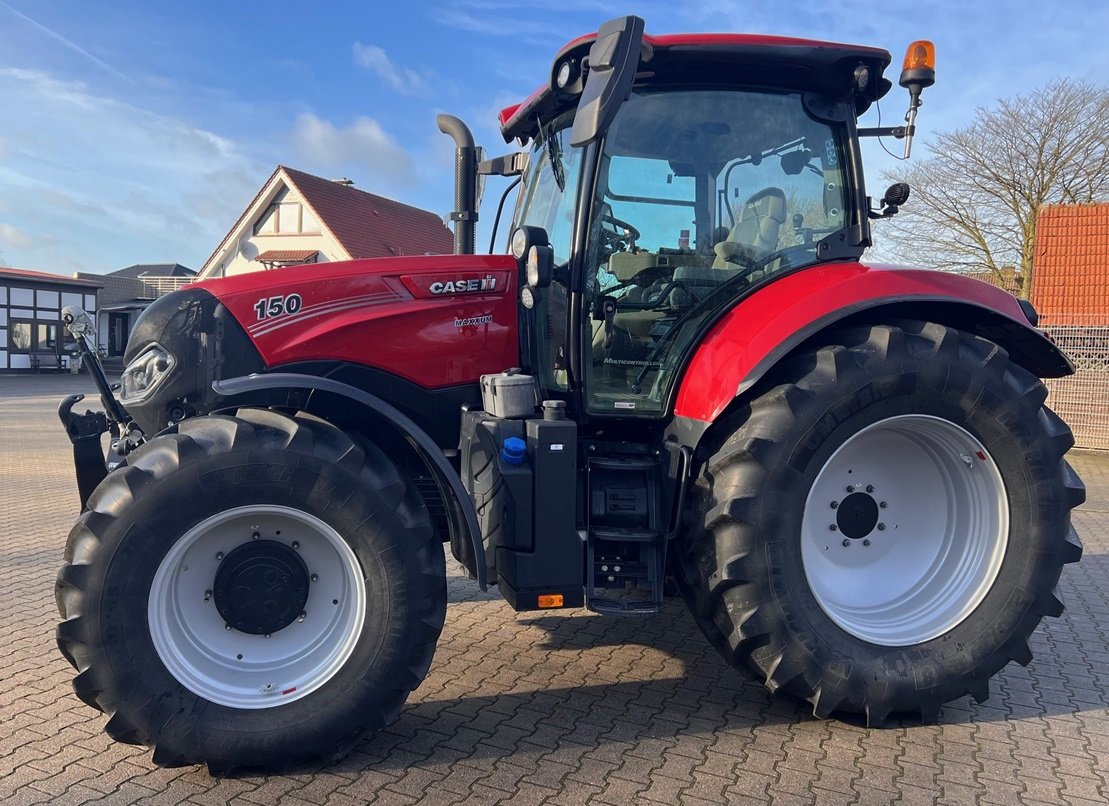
x,y
261,587
857,515
909,563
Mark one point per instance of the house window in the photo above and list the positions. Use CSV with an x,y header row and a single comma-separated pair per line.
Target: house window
x,y
19,336
286,217
46,336
31,336
23,296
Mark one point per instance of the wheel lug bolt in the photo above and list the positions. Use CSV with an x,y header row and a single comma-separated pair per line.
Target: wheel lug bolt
x,y
296,545
835,504
227,627
870,488
850,488
881,527
219,555
846,543
256,535
267,635
207,595
883,504
301,617
315,577
866,542
833,528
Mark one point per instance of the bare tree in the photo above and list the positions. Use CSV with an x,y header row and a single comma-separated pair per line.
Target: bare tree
x,y
976,199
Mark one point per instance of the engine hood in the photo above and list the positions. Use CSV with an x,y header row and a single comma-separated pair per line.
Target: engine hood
x,y
434,320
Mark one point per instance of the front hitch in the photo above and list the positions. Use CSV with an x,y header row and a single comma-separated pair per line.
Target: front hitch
x,y
84,430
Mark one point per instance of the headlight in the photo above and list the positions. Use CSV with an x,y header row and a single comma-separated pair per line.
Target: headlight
x,y
144,373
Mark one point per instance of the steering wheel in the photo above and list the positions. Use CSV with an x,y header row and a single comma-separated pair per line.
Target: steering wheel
x,y
622,231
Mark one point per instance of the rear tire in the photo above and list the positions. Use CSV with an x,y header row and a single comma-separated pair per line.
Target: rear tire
x,y
928,575
312,544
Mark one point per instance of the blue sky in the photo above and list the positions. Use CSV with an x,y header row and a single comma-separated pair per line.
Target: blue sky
x,y
136,132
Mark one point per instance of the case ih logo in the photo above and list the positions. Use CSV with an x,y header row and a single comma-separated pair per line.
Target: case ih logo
x,y
464,285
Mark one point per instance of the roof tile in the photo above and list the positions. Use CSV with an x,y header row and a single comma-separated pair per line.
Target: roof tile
x,y
1070,284
368,225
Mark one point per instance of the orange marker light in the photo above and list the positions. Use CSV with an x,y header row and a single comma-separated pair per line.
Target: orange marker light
x,y
920,67
546,600
920,55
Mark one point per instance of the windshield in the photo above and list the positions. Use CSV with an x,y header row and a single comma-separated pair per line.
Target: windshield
x,y
700,195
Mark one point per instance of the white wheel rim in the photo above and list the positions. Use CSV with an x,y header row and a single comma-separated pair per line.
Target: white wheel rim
x,y
937,542
238,669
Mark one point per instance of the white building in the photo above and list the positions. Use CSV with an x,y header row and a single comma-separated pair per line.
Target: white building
x,y
31,332
299,218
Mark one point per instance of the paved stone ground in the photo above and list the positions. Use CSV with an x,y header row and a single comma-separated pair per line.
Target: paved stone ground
x,y
566,708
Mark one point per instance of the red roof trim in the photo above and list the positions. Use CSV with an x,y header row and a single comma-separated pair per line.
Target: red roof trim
x,y
41,276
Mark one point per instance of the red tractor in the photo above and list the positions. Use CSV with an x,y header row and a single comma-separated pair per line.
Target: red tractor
x,y
683,371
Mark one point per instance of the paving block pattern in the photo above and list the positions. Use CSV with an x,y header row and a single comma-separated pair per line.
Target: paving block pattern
x,y
559,708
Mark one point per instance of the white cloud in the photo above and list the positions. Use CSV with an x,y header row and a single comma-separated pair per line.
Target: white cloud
x,y
111,181
11,236
402,79
363,143
73,46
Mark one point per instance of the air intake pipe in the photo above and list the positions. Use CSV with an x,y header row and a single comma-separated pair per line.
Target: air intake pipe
x,y
465,183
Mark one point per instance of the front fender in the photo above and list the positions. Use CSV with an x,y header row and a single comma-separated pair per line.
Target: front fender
x,y
448,479
763,328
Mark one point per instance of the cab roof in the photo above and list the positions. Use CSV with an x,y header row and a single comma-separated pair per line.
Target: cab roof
x,y
720,59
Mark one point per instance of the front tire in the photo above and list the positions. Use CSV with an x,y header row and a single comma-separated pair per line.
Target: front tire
x,y
254,590
884,526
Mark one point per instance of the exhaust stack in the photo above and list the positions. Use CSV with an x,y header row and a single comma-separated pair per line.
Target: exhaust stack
x,y
465,213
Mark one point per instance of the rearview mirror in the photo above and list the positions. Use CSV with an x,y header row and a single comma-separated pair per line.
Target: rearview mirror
x,y
613,61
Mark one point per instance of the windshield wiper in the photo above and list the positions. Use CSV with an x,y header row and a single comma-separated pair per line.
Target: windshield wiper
x,y
554,157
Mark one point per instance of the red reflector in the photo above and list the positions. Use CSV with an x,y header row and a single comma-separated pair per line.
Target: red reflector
x,y
981,456
546,600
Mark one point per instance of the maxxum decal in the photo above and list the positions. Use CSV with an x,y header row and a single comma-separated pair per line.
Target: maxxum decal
x,y
474,320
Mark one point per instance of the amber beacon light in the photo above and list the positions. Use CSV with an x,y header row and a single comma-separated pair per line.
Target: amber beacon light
x,y
918,72
920,65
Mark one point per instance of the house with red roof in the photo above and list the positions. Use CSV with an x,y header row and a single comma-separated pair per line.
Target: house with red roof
x,y
1070,290
298,218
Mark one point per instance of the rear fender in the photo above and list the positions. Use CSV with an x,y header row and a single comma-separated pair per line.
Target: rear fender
x,y
762,329
361,407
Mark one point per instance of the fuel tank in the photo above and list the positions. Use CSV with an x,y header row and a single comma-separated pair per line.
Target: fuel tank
x,y
435,320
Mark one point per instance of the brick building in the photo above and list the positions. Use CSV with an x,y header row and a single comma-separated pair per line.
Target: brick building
x,y
1070,289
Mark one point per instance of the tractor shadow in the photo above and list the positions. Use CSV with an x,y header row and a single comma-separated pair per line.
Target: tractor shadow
x,y
681,690
660,681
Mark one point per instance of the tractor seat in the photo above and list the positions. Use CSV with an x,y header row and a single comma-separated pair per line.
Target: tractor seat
x,y
755,234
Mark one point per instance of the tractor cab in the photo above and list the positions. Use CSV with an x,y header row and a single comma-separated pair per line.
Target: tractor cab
x,y
667,177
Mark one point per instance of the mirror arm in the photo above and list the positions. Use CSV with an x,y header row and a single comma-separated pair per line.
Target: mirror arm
x,y
512,164
888,131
